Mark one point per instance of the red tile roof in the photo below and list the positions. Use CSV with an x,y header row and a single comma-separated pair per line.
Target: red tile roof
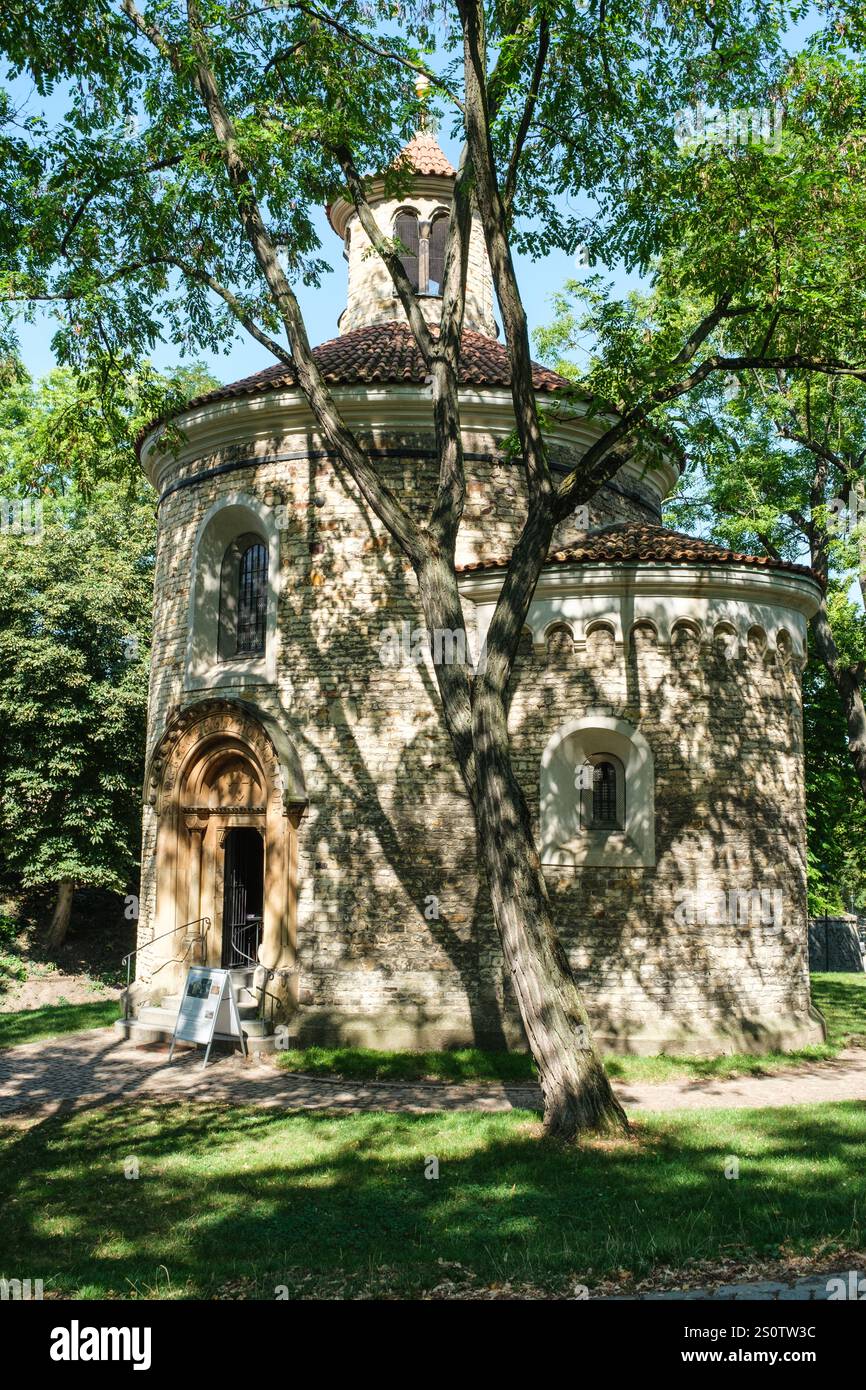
x,y
383,353
638,542
387,354
424,156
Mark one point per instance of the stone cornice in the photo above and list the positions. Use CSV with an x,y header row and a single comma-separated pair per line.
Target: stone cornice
x,y
256,420
441,186
623,579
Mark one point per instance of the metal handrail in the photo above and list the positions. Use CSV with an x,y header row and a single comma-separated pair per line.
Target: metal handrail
x,y
243,928
127,960
271,972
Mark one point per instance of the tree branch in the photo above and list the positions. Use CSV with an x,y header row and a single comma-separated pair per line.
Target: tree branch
x,y
386,250
593,468
375,492
510,184
354,37
540,484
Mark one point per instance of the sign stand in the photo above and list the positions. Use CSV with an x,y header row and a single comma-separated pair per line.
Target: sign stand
x,y
208,1011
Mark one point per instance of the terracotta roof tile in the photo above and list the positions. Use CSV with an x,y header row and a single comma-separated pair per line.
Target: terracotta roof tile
x,y
387,354
424,156
635,542
383,353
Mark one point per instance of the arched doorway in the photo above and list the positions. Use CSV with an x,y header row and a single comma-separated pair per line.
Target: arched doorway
x,y
227,806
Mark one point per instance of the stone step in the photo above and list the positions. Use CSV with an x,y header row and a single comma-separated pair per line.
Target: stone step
x,y
248,1005
153,1017
136,1031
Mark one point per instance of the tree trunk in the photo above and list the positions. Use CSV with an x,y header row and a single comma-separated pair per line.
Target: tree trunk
x,y
62,912
577,1094
849,690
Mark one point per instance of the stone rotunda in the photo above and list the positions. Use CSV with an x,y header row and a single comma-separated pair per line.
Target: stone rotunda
x,y
302,808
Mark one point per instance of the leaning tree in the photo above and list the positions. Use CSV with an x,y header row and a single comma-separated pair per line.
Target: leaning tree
x,y
173,196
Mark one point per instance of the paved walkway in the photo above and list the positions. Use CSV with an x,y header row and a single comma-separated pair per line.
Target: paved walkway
x,y
80,1068
836,1285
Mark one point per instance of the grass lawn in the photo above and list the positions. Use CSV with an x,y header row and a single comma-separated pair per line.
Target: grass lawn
x,y
841,999
236,1201
28,1025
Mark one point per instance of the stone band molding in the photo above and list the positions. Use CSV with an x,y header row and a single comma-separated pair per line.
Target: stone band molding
x,y
624,594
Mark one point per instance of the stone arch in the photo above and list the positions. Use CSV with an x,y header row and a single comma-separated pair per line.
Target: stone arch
x,y
221,765
644,635
525,645
685,645
725,640
209,662
686,631
785,647
559,638
756,643
406,225
600,641
437,239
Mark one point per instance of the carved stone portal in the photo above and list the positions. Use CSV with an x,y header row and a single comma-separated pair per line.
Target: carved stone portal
x,y
215,770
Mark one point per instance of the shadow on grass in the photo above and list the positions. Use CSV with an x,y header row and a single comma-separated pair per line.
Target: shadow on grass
x,y
841,998
226,1194
368,1064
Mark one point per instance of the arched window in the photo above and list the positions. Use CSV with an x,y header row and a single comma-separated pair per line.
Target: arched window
x,y
233,597
604,808
252,599
406,232
597,795
438,238
243,618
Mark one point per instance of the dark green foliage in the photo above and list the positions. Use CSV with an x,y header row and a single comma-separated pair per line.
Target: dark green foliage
x,y
75,613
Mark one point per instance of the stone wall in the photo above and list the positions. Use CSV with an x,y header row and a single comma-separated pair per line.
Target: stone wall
x,y
666,955
394,936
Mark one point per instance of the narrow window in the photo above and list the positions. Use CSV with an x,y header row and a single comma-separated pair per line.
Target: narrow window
x,y
604,795
406,232
252,599
438,237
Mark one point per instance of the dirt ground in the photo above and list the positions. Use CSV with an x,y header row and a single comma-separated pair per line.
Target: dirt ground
x,y
88,966
41,991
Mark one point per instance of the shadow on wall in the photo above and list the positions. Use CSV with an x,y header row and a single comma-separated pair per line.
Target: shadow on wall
x,y
722,728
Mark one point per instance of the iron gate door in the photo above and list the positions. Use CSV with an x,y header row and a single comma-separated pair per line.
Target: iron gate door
x,y
243,897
